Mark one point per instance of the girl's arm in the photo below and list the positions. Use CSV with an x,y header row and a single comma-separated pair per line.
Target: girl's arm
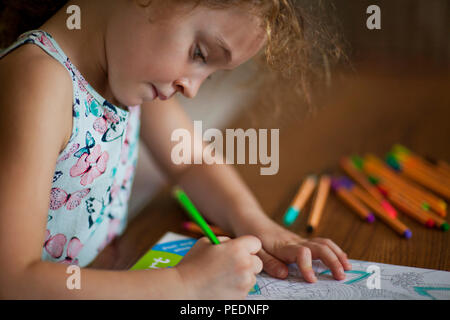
x,y
35,124
217,190
226,201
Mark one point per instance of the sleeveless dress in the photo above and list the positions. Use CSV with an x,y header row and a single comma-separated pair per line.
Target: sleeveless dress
x,y
88,203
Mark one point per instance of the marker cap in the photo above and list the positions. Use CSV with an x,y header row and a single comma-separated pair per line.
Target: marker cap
x,y
290,216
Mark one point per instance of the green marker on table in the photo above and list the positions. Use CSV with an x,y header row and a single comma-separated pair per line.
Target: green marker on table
x,y
187,204
195,215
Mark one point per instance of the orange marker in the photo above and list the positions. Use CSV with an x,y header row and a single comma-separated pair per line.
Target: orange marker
x,y
375,167
421,208
302,196
319,202
409,209
412,161
358,207
359,177
193,227
378,210
428,182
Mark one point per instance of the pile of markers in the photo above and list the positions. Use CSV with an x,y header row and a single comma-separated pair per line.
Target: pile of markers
x,y
376,189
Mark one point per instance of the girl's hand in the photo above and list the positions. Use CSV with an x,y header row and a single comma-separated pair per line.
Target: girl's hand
x,y
223,271
281,247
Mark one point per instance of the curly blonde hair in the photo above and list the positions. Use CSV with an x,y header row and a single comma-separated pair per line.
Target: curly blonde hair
x,y
303,41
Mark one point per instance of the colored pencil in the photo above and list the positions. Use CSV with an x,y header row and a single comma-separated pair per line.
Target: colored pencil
x,y
195,215
375,167
417,201
424,210
413,212
380,212
359,208
192,227
417,170
302,196
348,166
319,203
409,159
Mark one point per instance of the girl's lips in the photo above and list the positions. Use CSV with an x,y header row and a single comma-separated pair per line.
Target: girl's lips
x,y
157,94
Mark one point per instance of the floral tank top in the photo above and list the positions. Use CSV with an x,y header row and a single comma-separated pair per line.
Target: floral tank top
x,y
93,175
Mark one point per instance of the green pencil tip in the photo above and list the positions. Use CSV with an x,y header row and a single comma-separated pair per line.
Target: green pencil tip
x,y
373,180
444,226
398,148
392,162
358,162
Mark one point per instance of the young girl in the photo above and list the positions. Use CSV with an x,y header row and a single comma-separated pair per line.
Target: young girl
x,y
73,105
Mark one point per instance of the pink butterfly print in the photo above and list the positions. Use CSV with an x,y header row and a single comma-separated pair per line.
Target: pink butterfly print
x,y
73,248
59,197
55,245
90,166
71,151
46,42
101,124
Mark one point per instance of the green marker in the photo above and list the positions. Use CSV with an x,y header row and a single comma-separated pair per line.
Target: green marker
x,y
187,204
195,215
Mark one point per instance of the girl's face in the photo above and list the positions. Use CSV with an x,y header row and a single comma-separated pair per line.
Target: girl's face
x,y
175,53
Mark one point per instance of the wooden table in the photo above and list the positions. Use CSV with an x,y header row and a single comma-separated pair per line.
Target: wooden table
x,y
367,112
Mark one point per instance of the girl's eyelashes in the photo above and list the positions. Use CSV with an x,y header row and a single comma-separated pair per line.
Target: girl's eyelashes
x,y
198,53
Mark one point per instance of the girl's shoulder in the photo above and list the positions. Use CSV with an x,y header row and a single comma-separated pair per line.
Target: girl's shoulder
x,y
39,84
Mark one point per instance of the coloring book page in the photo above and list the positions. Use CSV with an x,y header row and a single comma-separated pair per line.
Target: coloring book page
x,y
366,280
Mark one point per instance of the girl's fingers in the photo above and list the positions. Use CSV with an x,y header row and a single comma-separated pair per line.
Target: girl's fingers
x,y
272,265
338,251
257,264
222,238
329,258
302,255
304,262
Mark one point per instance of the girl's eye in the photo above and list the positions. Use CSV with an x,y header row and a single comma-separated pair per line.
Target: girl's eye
x,y
198,53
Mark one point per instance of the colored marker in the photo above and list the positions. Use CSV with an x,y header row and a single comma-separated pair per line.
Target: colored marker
x,y
409,209
359,177
192,227
378,210
195,215
424,178
415,200
358,207
425,211
302,196
409,159
319,202
375,167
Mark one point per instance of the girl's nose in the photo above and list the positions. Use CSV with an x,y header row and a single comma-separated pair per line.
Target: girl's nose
x,y
188,88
